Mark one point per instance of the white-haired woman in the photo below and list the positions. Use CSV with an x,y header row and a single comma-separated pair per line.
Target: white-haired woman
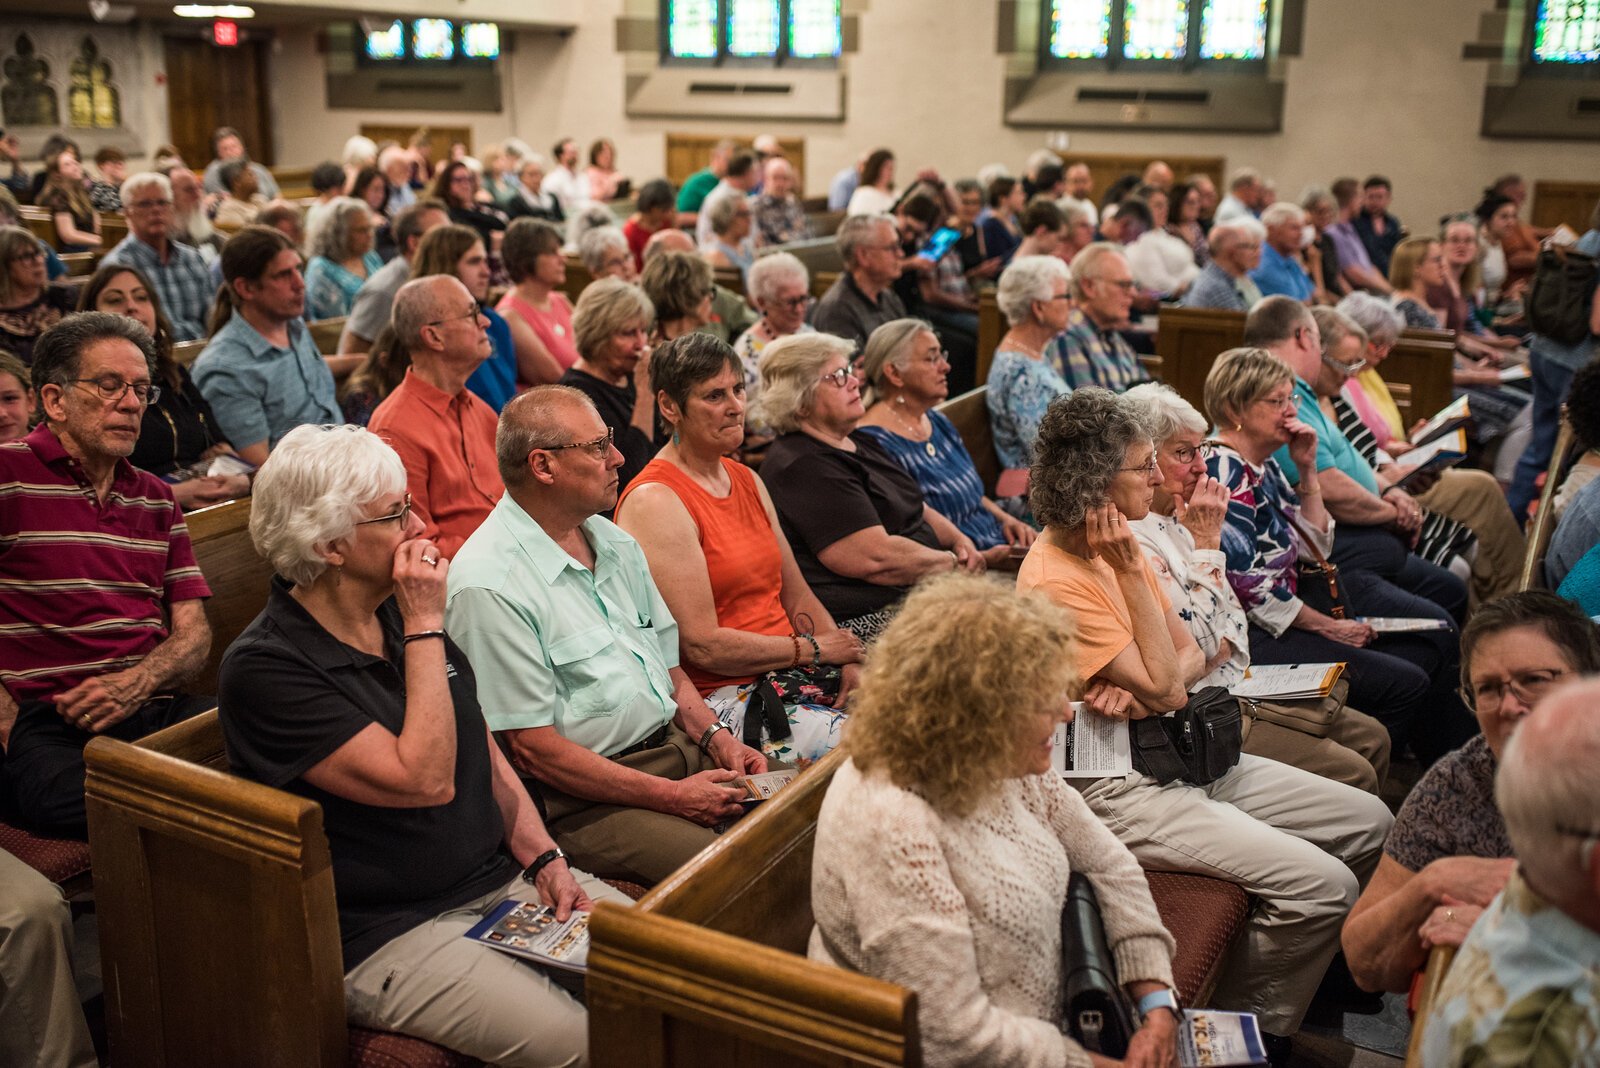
x,y
342,258
909,375
860,528
611,326
346,691
1034,298
604,251
731,223
1182,540
780,288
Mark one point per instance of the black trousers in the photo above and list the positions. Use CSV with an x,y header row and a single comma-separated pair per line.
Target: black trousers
x,y
1382,553
41,781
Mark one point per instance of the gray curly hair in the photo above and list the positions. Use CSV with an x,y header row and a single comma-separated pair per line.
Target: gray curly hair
x,y
332,238
1083,440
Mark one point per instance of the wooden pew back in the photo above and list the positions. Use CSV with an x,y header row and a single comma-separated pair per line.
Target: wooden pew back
x,y
219,938
325,332
1542,527
238,577
709,967
970,415
818,254
991,328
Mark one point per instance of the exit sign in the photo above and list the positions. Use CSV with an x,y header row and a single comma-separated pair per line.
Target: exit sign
x,y
225,33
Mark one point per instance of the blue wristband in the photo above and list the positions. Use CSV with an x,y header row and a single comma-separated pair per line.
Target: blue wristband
x,y
1159,999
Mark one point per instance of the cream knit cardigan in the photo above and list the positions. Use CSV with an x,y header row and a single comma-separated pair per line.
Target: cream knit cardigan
x,y
967,911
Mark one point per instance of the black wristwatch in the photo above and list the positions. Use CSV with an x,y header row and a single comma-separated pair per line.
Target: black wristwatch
x,y
531,872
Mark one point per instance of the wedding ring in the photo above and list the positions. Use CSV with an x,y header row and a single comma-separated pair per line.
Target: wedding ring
x,y
1450,914
431,561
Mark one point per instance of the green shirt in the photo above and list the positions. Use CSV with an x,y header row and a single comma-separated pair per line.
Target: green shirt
x,y
1333,448
695,188
555,644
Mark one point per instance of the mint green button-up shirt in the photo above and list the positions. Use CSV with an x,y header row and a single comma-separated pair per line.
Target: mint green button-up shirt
x,y
555,644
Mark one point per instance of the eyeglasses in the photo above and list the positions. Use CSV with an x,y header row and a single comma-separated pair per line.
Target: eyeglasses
x,y
841,378
795,303
1526,686
1127,285
33,255
600,446
150,205
1187,454
1346,369
1052,298
1284,404
1146,470
402,515
112,389
477,310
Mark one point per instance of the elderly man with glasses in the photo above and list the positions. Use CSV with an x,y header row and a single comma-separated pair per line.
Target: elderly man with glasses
x,y
576,655
1091,352
863,298
176,270
442,431
102,617
1225,282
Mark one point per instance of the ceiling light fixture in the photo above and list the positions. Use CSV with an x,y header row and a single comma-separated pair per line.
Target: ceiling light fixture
x,y
214,11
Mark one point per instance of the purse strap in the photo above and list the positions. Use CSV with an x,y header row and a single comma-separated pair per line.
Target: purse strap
x,y
1328,568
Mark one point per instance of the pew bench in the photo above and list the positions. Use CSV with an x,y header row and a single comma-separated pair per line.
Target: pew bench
x,y
710,967
239,579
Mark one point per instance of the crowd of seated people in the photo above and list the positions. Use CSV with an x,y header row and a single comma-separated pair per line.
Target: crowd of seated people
x,y
786,494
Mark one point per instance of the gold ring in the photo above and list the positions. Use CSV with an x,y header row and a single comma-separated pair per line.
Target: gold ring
x,y
1450,914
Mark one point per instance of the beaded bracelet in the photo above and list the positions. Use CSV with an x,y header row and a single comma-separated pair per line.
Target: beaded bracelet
x,y
816,650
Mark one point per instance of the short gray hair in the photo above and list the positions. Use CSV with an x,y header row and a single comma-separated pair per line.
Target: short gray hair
x,y
1163,411
1282,211
135,182
332,239
1334,326
605,307
415,306
859,230
772,270
1086,264
890,345
1226,233
595,243
1316,195
1082,443
1381,320
360,151
724,209
311,492
1072,212
1029,278
58,352
528,422
790,367
1545,785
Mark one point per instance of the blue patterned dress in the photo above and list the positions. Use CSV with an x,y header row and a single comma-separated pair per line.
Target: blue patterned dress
x,y
1020,390
947,475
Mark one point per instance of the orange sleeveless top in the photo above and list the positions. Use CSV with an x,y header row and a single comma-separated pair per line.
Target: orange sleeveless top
x,y
741,554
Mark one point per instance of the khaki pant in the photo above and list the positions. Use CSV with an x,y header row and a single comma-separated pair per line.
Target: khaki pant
x,y
432,983
1475,500
41,1021
1355,752
636,844
1301,844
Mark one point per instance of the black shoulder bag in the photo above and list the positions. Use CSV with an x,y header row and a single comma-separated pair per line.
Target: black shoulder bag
x,y
1095,1011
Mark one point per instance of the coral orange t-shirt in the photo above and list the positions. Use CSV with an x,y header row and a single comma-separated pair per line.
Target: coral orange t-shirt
x,y
1088,589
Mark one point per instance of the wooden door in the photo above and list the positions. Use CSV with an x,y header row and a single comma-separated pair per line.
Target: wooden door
x,y
208,86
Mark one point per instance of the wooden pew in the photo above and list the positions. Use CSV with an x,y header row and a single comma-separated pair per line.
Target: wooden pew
x,y
991,328
325,332
1439,960
818,254
113,228
822,281
219,937
239,579
709,968
578,277
41,224
728,278
969,413
80,264
825,223
1542,527
186,352
1189,340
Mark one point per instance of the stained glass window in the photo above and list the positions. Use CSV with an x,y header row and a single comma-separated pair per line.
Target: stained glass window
x,y
814,28
387,44
1155,29
1567,31
752,27
692,29
1233,29
480,40
1080,29
433,39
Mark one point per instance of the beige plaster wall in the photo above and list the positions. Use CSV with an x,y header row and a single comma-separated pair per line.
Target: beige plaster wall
x,y
1380,87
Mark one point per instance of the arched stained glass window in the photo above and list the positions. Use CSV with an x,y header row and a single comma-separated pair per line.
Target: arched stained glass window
x,y
1155,29
752,28
1567,31
692,29
1233,29
775,30
814,29
1080,29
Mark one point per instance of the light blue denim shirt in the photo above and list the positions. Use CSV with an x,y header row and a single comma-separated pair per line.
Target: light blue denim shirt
x,y
260,392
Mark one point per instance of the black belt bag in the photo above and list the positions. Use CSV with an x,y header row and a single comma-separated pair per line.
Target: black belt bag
x,y
1199,743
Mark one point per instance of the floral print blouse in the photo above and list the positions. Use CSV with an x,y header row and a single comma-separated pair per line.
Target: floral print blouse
x,y
1196,582
1020,390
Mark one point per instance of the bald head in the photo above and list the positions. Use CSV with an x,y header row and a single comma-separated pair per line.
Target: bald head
x,y
669,240
777,177
541,418
1158,174
420,302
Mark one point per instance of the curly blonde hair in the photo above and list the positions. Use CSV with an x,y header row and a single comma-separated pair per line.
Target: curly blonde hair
x,y
950,685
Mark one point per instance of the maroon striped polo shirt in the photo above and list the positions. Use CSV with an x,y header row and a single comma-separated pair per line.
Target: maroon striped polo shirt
x,y
83,583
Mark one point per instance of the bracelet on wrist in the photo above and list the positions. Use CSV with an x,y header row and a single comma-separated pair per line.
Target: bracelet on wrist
x,y
799,651
710,733
816,650
421,635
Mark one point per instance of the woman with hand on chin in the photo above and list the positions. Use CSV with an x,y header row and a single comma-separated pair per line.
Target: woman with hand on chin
x,y
746,616
910,375
1271,527
346,691
861,529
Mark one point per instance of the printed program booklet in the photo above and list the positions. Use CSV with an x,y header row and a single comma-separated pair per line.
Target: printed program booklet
x,y
1401,625
1447,450
530,930
1211,1038
759,788
1288,682
1451,416
1091,746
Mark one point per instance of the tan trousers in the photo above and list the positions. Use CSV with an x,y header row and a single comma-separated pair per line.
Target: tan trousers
x,y
1355,752
432,983
41,1021
1475,500
636,844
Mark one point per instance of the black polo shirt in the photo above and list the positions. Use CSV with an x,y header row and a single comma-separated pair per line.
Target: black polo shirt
x,y
289,695
846,312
